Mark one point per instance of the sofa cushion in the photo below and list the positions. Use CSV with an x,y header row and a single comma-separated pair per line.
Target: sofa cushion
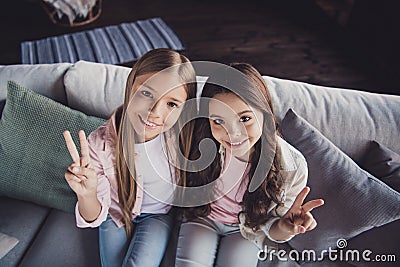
x,y
106,88
33,153
23,221
102,94
61,243
81,243
348,118
355,201
45,79
382,240
383,163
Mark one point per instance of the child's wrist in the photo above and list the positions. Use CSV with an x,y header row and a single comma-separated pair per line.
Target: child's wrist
x,y
87,196
280,231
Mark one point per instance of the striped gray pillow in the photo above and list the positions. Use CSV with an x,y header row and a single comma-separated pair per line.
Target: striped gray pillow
x,y
355,201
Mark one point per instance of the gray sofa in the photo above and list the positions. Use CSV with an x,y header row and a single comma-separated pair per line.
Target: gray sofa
x,y
49,237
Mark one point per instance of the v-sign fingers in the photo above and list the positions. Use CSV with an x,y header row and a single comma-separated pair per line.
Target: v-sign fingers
x,y
71,147
85,160
312,204
298,202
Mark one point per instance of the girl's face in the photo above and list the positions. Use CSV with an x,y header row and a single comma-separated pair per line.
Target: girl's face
x,y
156,104
235,124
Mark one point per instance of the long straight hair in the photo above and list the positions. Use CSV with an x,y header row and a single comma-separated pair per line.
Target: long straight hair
x,y
254,92
152,62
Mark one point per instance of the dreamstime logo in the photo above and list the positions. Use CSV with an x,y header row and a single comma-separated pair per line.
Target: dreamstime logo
x,y
138,120
341,243
309,255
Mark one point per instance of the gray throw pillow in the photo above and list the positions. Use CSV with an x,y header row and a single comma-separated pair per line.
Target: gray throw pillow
x,y
383,163
33,153
355,201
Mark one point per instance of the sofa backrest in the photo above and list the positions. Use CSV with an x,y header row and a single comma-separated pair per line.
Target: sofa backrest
x,y
45,79
97,89
349,118
94,88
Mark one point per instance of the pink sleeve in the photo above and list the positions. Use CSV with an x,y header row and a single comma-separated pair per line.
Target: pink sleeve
x,y
96,143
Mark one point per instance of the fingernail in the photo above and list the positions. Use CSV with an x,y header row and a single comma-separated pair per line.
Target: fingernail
x,y
75,169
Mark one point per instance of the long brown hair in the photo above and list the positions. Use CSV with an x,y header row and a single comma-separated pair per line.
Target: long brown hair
x,y
152,62
254,91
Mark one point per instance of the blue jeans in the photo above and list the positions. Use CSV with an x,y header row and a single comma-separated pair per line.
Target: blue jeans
x,y
206,243
147,246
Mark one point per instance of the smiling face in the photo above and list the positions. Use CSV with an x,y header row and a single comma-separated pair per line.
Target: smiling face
x,y
235,124
156,105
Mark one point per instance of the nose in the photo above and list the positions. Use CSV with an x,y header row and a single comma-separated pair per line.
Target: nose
x,y
156,110
235,130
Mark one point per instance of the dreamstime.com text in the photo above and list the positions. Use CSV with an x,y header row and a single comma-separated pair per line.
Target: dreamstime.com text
x,y
331,254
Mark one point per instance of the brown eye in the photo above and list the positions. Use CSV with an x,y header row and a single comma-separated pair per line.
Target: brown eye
x,y
172,105
245,118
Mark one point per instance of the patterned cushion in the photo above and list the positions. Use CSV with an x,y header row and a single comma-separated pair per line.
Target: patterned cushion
x,y
33,153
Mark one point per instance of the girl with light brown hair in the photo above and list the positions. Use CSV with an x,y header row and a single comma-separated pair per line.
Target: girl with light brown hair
x,y
124,178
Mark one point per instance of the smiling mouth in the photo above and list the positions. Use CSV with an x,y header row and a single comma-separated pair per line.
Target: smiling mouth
x,y
148,124
235,144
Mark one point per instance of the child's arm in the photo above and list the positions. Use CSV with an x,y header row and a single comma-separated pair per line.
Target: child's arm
x,y
88,204
82,178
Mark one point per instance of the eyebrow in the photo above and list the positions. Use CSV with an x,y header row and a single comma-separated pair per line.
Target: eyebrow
x,y
176,100
245,111
148,86
214,116
240,113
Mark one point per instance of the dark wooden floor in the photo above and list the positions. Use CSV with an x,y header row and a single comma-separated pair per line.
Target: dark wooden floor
x,y
291,39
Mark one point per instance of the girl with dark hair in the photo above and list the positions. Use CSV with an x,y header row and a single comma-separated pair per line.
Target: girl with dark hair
x,y
260,179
